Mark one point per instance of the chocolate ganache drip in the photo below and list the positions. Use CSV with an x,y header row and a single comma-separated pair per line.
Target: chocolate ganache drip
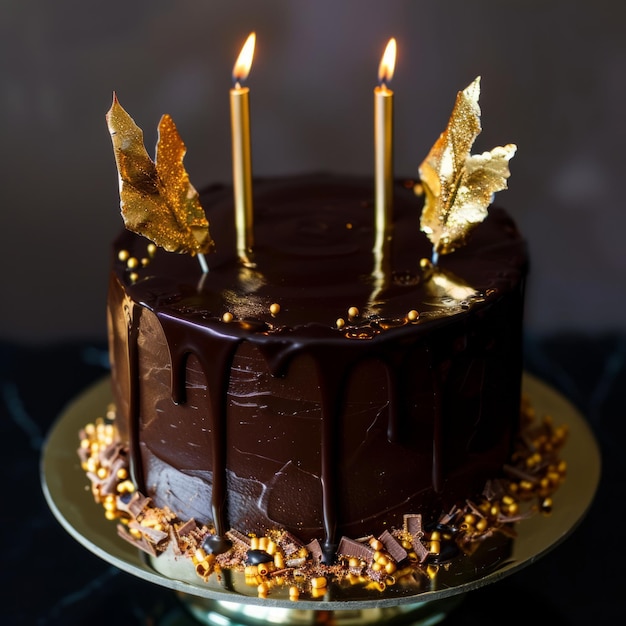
x,y
249,406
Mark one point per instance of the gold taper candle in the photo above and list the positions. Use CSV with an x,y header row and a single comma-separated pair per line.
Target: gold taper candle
x,y
383,145
242,161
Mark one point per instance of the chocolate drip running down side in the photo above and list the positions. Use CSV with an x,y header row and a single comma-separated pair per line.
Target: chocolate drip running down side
x,y
286,420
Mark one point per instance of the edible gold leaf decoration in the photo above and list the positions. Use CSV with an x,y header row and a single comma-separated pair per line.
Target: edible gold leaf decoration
x,y
459,186
157,199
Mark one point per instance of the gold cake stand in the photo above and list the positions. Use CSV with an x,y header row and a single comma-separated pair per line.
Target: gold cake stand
x,y
67,492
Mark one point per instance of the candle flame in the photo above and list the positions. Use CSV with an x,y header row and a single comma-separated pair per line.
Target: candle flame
x,y
244,60
387,63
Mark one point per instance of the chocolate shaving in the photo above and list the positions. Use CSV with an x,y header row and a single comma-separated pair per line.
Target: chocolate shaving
x,y
111,453
108,486
239,538
350,547
139,542
420,550
135,506
393,547
154,535
173,541
187,528
316,550
413,524
287,538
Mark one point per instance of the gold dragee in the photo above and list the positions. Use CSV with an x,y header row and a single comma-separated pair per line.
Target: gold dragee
x,y
458,186
157,199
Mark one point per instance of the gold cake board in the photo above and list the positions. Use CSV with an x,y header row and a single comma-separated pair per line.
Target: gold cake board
x,y
67,492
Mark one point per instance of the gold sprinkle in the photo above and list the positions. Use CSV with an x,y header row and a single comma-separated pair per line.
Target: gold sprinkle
x,y
145,261
227,317
132,263
340,322
134,277
123,255
353,311
274,308
413,315
152,249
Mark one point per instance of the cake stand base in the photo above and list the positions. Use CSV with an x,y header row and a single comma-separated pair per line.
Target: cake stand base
x,y
221,613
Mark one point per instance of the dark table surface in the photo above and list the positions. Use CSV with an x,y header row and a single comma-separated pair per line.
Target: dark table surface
x,y
49,578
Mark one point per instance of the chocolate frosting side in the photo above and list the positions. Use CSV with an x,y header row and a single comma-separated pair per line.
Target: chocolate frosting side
x,y
285,420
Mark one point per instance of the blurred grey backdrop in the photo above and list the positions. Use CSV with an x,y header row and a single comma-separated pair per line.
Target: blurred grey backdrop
x,y
553,82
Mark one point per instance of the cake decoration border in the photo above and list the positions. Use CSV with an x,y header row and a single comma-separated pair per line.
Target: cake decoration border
x,y
410,555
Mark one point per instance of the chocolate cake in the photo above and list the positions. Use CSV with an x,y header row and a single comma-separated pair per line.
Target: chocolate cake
x,y
315,393
339,398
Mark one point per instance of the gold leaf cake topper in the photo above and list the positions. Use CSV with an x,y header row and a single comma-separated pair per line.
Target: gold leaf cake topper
x,y
459,186
157,199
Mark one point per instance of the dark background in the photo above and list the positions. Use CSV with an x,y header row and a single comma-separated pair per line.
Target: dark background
x,y
553,82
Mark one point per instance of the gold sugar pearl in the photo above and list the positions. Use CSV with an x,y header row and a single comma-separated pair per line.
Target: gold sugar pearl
x,y
340,323
132,263
353,312
145,262
425,263
275,308
227,317
134,277
319,582
123,255
546,505
152,249
412,315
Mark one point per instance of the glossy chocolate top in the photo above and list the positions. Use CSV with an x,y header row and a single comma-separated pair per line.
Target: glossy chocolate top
x,y
313,249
